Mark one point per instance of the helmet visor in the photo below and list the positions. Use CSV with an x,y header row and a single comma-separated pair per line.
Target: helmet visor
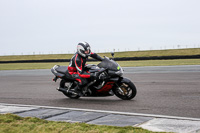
x,y
87,51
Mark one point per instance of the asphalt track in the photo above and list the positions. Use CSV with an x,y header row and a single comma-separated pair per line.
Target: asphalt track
x,y
166,90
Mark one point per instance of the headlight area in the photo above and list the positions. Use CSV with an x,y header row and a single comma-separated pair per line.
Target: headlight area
x,y
120,72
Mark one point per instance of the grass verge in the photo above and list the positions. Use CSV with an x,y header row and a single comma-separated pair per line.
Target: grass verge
x,y
148,53
10,123
22,66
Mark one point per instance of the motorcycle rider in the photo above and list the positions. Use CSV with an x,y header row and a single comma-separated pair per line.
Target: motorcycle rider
x,y
77,64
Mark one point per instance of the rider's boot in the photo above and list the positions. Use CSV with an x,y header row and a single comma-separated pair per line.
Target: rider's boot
x,y
77,90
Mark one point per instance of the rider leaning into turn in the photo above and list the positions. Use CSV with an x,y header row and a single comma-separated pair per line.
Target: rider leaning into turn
x,y
77,64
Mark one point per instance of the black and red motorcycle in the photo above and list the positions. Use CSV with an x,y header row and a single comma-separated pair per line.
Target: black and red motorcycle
x,y
111,82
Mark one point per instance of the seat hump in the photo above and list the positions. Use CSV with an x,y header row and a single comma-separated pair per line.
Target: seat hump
x,y
62,69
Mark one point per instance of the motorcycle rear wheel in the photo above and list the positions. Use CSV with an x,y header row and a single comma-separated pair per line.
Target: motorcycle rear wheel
x,y
125,91
63,84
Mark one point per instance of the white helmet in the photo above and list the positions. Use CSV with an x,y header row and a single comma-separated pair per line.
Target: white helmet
x,y
83,49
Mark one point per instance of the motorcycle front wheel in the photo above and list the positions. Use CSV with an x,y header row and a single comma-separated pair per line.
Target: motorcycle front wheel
x,y
65,84
125,90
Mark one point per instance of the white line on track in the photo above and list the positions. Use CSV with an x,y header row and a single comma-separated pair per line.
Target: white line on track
x,y
104,111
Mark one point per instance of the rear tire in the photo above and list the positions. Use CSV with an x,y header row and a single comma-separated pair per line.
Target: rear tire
x,y
63,84
127,92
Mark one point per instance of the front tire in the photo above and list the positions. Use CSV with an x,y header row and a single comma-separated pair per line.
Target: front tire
x,y
64,84
125,90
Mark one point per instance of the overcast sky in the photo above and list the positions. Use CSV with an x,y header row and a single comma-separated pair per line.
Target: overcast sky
x,y
56,26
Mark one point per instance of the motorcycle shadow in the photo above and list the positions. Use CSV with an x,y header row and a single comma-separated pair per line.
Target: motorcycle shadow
x,y
91,100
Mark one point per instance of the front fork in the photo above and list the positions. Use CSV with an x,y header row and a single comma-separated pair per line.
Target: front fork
x,y
119,88
119,81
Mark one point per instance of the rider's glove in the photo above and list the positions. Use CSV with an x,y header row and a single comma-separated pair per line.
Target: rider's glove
x,y
101,77
95,76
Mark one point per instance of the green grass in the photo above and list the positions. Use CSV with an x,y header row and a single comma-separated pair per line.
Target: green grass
x,y
10,123
169,52
191,51
35,57
160,62
21,66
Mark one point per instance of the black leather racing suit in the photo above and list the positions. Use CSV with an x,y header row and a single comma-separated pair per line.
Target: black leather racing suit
x,y
76,67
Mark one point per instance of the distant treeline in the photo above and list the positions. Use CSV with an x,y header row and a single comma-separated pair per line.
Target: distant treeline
x,y
116,59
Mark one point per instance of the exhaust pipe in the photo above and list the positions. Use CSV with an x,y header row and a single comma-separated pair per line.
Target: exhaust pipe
x,y
66,91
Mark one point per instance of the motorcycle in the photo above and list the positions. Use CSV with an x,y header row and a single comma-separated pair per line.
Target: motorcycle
x,y
111,82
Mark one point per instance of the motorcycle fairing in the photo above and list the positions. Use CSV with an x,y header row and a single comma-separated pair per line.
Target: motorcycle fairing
x,y
106,88
109,64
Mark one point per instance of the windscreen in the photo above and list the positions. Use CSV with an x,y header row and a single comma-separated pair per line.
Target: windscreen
x,y
110,64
